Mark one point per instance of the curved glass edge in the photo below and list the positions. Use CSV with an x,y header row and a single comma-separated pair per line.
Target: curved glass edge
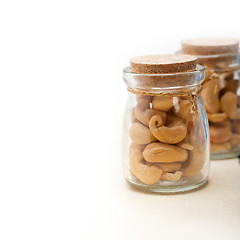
x,y
224,57
189,79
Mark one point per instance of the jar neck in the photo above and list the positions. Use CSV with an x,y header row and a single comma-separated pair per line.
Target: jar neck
x,y
154,83
220,62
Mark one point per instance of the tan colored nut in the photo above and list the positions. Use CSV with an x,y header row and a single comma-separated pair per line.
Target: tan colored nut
x,y
190,127
162,103
133,146
133,116
236,126
146,174
220,146
139,98
216,117
219,134
210,96
223,80
173,177
232,84
226,123
195,163
228,104
235,140
164,153
166,167
174,132
143,112
141,134
183,109
186,144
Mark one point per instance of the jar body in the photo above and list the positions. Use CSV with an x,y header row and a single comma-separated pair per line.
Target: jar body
x,y
165,146
221,96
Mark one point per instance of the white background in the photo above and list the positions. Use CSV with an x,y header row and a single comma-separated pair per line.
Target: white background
x,y
61,104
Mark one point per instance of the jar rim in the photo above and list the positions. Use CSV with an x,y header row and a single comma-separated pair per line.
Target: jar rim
x,y
164,81
232,59
220,55
199,69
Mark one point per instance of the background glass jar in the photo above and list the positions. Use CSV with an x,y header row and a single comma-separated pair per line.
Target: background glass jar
x,y
221,92
165,132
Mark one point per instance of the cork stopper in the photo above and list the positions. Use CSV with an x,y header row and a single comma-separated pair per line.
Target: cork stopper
x,y
163,63
209,46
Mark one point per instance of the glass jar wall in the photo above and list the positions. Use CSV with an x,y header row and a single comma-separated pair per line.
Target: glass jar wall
x,y
165,133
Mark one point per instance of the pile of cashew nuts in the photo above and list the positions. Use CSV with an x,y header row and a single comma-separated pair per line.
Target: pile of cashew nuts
x,y
222,105
162,135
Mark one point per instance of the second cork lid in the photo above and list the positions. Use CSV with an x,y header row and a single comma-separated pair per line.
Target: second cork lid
x,y
209,46
163,64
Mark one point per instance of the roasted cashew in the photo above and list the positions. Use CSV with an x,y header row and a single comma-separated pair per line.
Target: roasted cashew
x,y
182,109
235,140
139,98
162,103
216,117
146,174
190,127
232,85
133,116
236,126
228,104
186,144
141,134
220,134
173,133
220,146
195,162
133,146
164,153
143,112
226,123
210,96
166,167
173,177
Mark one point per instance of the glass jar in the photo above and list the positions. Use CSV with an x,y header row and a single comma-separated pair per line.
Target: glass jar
x,y
165,128
221,92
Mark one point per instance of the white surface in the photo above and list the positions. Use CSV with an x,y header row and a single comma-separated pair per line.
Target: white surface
x,y
61,103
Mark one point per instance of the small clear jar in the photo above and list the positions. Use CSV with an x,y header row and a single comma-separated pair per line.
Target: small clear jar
x,y
165,131
221,91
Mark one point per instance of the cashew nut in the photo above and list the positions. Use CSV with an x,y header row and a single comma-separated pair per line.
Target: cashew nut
x,y
133,116
232,85
220,146
139,98
186,144
236,126
228,104
173,177
162,103
146,174
182,109
190,127
164,153
210,94
133,146
143,112
173,133
216,117
235,140
220,134
141,134
195,162
166,167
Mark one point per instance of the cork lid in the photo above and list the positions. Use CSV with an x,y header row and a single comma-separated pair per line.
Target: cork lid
x,y
209,46
163,64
